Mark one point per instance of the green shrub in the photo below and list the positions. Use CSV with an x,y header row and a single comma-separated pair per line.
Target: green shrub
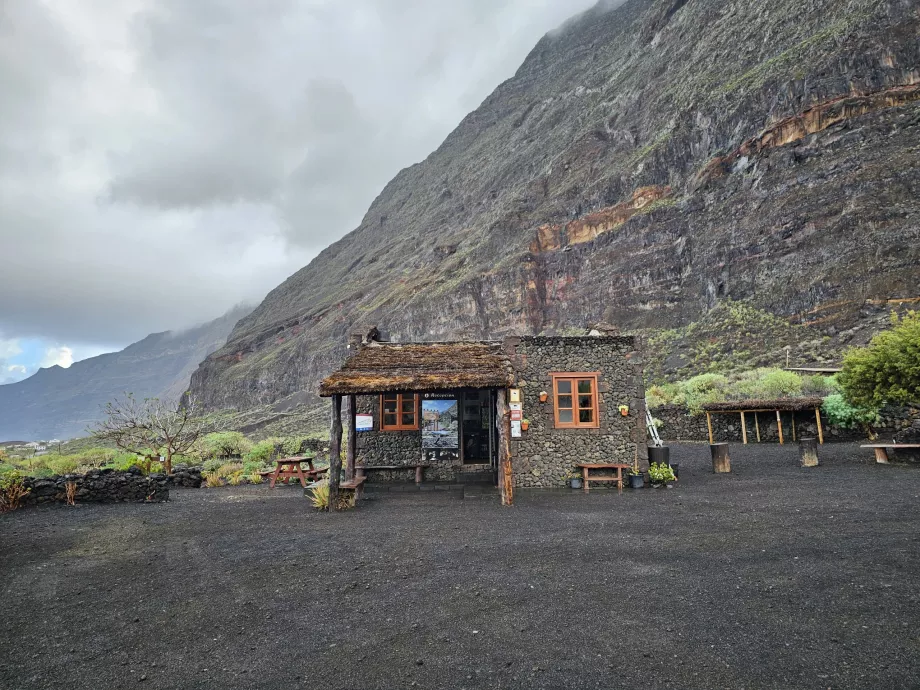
x,y
840,412
224,444
702,389
12,491
780,384
63,464
888,369
263,452
659,473
660,395
251,467
819,386
212,465
229,469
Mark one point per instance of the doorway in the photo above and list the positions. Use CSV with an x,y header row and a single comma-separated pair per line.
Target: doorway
x,y
478,437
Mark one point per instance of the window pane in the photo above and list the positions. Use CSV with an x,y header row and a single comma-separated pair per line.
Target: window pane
x,y
389,420
586,416
564,401
408,404
563,386
584,386
389,407
585,401
390,397
408,420
566,417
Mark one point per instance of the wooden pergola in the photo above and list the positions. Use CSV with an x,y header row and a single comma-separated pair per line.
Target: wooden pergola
x,y
744,407
377,368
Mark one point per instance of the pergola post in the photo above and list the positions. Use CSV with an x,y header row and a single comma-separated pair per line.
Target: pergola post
x,y
335,452
743,429
709,424
779,425
505,477
351,450
757,426
820,431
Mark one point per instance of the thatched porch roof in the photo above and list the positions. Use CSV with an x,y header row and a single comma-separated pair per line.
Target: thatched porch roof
x,y
419,367
781,404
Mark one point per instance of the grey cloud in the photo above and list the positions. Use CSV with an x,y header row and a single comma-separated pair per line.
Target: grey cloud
x,y
162,160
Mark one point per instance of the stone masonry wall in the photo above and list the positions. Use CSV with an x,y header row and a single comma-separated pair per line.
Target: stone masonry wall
x,y
677,424
100,486
544,456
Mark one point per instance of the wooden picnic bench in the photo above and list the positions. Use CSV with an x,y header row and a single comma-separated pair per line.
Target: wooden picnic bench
x,y
356,485
881,449
291,468
419,468
587,477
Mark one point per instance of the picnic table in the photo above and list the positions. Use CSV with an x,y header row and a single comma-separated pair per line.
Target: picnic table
x,y
587,477
292,468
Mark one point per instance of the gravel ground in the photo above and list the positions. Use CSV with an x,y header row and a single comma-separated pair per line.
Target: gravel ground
x,y
774,576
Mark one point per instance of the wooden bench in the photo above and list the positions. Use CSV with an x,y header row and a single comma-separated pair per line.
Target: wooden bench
x,y
881,449
356,485
362,470
586,468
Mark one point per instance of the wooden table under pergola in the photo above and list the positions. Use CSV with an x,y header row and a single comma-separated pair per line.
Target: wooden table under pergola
x,y
379,367
745,407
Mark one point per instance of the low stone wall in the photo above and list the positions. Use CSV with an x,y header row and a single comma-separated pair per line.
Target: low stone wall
x,y
186,477
100,486
679,425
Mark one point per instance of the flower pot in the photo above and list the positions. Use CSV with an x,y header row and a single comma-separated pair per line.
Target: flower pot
x,y
544,396
576,483
636,481
525,425
660,455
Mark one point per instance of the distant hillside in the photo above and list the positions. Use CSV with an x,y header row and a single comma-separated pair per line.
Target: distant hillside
x,y
60,403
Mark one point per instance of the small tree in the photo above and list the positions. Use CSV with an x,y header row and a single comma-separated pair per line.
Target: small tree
x,y
888,369
148,426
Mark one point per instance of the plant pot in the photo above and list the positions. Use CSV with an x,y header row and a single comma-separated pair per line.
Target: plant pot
x,y
636,481
660,455
576,483
525,426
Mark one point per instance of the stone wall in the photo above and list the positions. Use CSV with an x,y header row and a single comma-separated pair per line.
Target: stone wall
x,y
100,486
545,456
677,424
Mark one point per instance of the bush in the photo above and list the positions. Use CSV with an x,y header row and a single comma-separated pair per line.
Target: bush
x,y
235,479
263,452
62,464
888,369
212,480
224,444
658,396
320,497
702,389
659,473
291,446
230,469
819,386
841,413
12,491
212,465
780,384
255,478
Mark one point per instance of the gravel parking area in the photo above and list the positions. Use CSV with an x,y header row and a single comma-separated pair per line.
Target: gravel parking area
x,y
771,577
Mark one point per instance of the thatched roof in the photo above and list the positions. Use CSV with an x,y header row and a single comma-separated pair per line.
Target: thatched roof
x,y
417,367
781,404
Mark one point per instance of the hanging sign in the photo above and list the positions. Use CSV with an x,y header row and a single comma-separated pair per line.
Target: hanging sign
x,y
364,422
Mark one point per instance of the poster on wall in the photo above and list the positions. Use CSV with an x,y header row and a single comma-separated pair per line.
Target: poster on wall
x,y
364,422
515,430
440,425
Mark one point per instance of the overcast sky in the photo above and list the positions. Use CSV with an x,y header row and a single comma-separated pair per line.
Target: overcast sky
x,y
163,160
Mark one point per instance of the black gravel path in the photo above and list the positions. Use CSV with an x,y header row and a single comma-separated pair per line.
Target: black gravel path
x,y
772,577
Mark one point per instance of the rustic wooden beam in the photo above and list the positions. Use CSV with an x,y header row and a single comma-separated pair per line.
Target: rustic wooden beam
x,y
809,449
820,431
757,427
793,426
709,424
335,452
505,478
721,462
743,428
779,425
351,450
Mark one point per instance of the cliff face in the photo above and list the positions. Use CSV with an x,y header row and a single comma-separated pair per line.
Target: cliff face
x,y
61,403
645,165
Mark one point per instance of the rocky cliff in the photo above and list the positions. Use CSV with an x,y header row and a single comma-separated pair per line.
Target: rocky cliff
x,y
61,403
644,166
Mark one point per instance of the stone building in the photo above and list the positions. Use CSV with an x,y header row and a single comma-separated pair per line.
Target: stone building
x,y
520,412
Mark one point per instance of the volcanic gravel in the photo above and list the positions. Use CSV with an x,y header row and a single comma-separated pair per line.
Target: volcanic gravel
x,y
772,577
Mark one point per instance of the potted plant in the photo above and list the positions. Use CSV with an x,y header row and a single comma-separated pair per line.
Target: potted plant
x,y
636,478
543,396
525,424
660,474
575,480
624,410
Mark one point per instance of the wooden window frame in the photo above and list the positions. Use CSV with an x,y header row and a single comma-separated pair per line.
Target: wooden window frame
x,y
399,412
575,377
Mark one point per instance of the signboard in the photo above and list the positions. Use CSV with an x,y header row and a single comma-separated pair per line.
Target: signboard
x,y
514,395
442,395
440,424
365,422
515,429
516,415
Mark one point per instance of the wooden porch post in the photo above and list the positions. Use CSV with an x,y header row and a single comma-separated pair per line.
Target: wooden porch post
x,y
505,478
709,424
743,429
820,431
757,427
335,452
351,450
779,425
